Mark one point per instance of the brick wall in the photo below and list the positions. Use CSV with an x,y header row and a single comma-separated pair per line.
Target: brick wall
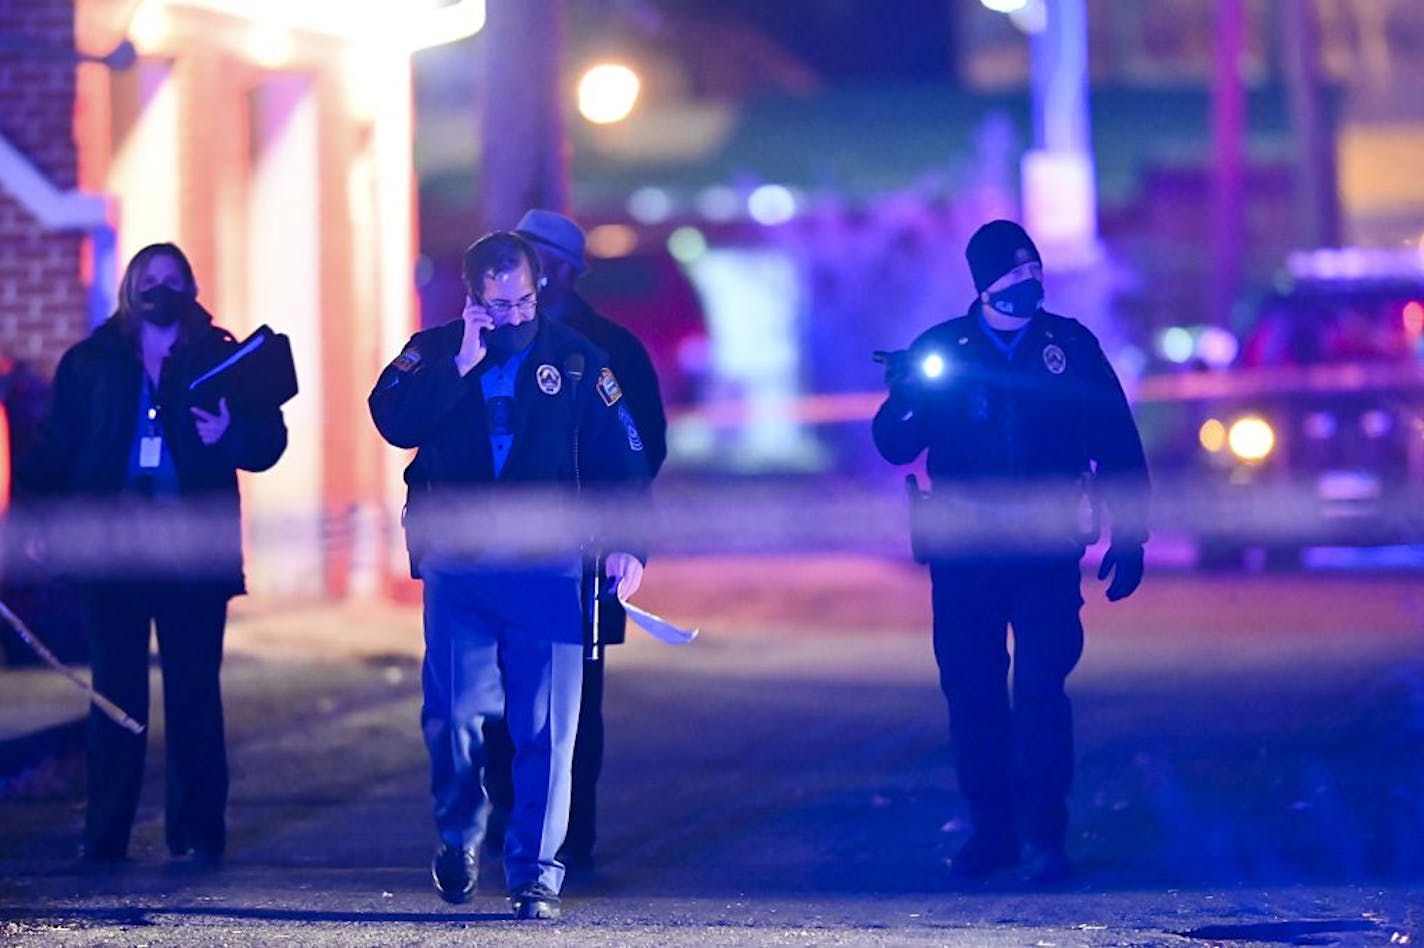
x,y
43,303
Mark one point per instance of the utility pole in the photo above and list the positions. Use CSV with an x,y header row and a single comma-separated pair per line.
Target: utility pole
x,y
1228,165
1060,191
1317,188
524,152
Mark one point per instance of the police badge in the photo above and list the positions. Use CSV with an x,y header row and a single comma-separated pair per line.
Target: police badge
x,y
1054,359
549,379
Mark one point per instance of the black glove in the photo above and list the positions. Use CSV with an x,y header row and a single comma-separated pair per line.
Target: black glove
x,y
899,374
1125,563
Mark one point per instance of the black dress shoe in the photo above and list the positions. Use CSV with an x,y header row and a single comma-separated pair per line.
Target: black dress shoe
x,y
456,870
98,856
1046,865
208,857
535,900
983,855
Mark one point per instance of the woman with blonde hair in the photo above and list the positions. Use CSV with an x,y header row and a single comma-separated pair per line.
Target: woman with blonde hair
x,y
124,438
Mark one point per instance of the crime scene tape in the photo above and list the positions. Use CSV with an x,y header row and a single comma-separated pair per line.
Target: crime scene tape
x,y
38,647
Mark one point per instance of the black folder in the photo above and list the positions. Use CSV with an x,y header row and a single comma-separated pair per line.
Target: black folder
x,y
258,374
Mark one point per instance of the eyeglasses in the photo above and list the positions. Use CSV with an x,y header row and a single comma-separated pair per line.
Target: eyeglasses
x,y
505,307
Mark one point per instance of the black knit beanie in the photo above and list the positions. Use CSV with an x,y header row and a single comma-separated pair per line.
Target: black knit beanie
x,y
995,249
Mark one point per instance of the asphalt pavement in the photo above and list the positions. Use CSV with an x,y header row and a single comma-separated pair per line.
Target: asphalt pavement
x,y
1251,773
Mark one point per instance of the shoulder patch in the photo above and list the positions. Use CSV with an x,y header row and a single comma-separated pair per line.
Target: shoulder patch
x,y
407,360
608,388
635,442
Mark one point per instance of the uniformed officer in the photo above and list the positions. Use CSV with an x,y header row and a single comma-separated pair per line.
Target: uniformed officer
x,y
560,244
496,401
1018,408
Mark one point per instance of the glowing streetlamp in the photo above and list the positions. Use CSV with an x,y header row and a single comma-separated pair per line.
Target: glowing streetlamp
x,y
607,93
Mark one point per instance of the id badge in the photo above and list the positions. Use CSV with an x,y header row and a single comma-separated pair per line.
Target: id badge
x,y
149,451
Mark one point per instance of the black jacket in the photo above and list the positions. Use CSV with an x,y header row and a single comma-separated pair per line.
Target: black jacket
x,y
630,362
422,402
1039,418
82,450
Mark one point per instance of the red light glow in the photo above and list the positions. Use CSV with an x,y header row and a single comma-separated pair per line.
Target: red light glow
x,y
1414,317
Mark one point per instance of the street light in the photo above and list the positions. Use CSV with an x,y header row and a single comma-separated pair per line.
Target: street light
x,y
607,93
1059,186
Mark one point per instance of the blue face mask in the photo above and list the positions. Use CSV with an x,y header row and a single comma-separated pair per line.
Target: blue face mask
x,y
1023,299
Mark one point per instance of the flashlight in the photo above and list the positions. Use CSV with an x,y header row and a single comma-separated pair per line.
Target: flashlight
x,y
932,366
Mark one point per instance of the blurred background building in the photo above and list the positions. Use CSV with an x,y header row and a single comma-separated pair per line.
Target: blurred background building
x,y
772,189
852,146
272,141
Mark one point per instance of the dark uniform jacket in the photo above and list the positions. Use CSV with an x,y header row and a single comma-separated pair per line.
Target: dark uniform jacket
x,y
422,402
83,447
630,362
1028,424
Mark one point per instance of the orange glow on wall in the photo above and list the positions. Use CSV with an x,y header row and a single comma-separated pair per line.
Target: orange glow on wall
x,y
273,143
4,459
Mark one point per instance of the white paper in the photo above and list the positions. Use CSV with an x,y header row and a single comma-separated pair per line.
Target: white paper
x,y
658,627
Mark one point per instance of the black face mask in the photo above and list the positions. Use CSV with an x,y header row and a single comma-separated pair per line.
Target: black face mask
x,y
1023,299
505,341
163,306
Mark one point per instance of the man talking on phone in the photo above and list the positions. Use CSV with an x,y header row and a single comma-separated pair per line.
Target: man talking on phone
x,y
560,244
502,402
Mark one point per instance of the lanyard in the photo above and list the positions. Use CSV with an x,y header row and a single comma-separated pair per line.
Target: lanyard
x,y
150,445
155,430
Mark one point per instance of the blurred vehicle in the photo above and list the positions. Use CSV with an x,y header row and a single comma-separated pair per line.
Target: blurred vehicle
x,y
1310,429
647,293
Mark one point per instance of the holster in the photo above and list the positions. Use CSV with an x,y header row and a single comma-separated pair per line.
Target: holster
x,y
1090,517
951,525
604,618
591,589
921,521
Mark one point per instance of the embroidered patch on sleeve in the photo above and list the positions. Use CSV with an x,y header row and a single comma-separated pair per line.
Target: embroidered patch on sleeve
x,y
635,442
608,388
407,360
